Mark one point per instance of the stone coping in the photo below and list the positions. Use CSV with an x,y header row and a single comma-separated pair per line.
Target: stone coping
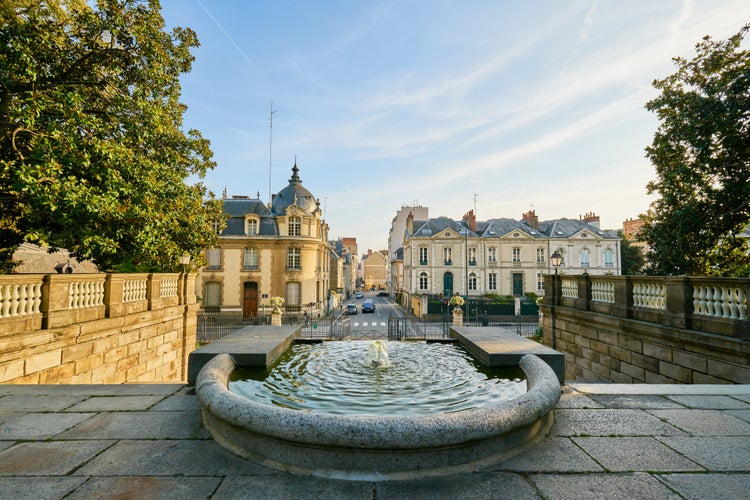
x,y
370,446
497,347
256,346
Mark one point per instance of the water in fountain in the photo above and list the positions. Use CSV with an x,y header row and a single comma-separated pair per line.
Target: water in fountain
x,y
408,378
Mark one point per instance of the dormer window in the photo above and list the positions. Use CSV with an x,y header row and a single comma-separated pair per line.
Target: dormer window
x,y
251,227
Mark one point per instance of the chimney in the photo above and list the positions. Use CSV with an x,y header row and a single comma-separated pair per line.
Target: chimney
x,y
531,219
470,220
591,218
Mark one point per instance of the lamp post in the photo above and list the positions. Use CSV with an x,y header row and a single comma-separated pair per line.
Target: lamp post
x,y
555,259
184,261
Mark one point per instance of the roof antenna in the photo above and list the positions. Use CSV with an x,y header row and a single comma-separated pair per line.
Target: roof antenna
x,y
270,151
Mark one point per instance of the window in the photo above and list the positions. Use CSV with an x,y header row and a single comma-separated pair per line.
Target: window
x,y
516,255
448,256
251,227
608,258
422,256
423,281
472,256
540,254
540,282
472,282
213,256
584,257
492,281
293,258
212,294
295,226
292,294
215,225
250,259
492,254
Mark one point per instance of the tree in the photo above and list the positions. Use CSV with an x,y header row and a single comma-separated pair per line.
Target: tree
x,y
92,155
701,153
631,257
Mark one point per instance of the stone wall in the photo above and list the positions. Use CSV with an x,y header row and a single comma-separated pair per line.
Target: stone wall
x,y
649,329
96,328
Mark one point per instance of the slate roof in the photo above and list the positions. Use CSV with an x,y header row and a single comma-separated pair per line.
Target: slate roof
x,y
239,207
431,227
565,228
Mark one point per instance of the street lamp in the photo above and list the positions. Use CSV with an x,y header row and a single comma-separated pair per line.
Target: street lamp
x,y
184,261
555,259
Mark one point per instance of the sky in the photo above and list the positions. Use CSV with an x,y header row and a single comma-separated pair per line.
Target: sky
x,y
494,106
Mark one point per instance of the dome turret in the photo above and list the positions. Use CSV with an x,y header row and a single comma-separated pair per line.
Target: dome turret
x,y
294,194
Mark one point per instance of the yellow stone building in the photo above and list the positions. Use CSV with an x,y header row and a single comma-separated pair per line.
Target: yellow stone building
x,y
263,252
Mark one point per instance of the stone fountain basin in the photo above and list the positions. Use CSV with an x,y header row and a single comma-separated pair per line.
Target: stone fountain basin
x,y
364,447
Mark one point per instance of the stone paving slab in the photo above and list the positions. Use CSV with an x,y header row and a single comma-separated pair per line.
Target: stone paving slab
x,y
116,403
24,425
608,422
624,454
139,425
291,487
715,453
39,402
467,486
90,389
713,486
636,402
39,487
48,458
163,488
200,457
704,422
553,454
710,402
626,486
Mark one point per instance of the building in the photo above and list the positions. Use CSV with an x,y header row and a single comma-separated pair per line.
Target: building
x,y
501,256
264,252
374,266
345,249
395,264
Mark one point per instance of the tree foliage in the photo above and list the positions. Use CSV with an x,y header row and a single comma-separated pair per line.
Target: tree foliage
x,y
92,154
701,153
631,257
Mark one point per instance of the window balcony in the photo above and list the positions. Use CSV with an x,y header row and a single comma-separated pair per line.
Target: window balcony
x,y
472,263
448,262
422,262
250,268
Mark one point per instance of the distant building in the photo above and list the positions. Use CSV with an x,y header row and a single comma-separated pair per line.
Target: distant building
x,y
265,252
37,260
374,269
396,235
502,256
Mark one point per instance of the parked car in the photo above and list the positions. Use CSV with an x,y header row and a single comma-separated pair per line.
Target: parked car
x,y
383,294
351,309
359,295
368,306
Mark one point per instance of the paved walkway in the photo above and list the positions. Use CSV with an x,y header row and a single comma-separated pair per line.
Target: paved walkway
x,y
146,441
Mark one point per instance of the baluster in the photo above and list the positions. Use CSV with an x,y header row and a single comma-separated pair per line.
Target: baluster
x,y
717,301
741,304
724,303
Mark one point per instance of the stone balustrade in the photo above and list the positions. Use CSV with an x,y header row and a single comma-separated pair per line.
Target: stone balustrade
x,y
95,328
650,329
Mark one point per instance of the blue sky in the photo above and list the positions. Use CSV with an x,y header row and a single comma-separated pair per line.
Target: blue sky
x,y
499,105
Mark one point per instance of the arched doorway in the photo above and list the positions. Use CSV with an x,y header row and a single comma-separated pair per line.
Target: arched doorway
x,y
448,284
250,300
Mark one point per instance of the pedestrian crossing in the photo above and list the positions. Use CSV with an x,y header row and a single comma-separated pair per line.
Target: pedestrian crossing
x,y
371,323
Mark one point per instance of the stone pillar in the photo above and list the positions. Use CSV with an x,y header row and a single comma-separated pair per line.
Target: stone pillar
x,y
458,317
276,317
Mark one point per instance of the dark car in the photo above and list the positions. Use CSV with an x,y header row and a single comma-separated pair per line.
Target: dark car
x,y
383,294
351,309
368,306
